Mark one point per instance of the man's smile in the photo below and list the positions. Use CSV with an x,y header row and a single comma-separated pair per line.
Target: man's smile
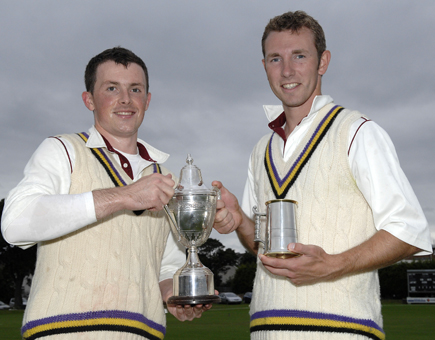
x,y
125,113
290,86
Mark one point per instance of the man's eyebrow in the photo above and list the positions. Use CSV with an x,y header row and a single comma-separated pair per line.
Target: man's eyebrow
x,y
299,51
274,54
137,84
113,82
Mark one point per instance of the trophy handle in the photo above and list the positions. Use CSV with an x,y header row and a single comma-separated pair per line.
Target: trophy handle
x,y
257,214
218,192
171,218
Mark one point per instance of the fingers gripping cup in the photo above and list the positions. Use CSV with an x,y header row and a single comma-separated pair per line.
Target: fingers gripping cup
x,y
280,228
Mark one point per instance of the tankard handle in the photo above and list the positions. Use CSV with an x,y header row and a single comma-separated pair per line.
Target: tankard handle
x,y
257,237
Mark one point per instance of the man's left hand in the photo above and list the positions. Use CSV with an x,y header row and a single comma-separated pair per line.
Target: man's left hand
x,y
188,312
314,265
182,313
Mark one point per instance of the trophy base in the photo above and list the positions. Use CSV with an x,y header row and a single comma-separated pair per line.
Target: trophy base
x,y
282,255
193,300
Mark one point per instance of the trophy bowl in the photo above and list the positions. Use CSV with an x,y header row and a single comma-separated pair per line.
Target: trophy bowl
x,y
191,213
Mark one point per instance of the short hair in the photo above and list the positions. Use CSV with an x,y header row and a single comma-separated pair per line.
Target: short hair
x,y
117,54
295,21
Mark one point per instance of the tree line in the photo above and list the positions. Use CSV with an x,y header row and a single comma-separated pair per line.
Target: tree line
x,y
15,265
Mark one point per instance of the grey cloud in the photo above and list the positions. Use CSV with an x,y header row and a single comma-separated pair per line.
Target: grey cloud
x,y
207,80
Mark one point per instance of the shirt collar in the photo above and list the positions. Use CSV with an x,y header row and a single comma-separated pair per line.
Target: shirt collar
x,y
146,151
273,112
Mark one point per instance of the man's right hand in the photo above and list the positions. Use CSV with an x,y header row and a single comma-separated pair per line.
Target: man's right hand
x,y
149,192
229,215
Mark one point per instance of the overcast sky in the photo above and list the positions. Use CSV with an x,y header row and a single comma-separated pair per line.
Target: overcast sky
x,y
207,81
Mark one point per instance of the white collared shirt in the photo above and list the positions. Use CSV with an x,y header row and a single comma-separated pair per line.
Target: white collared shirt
x,y
376,169
34,210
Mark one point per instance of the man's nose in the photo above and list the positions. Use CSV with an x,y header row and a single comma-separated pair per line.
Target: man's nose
x,y
287,69
125,97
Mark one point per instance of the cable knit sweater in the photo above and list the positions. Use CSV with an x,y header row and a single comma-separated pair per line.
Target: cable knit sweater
x,y
333,214
100,282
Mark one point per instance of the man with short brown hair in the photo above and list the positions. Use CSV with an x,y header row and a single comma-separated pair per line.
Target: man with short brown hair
x,y
93,202
356,209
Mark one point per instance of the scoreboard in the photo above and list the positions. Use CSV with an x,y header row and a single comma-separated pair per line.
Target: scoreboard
x,y
421,281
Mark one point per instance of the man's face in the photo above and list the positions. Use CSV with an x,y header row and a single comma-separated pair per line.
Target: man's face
x,y
292,67
119,100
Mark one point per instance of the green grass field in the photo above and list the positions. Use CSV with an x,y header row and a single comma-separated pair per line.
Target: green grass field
x,y
221,322
401,322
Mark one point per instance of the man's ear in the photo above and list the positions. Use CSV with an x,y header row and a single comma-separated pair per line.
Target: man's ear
x,y
88,99
324,62
148,101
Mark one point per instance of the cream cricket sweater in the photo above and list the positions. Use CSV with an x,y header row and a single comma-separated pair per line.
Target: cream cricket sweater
x,y
331,213
100,282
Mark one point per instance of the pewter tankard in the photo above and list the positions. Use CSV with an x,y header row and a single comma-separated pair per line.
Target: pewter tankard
x,y
280,227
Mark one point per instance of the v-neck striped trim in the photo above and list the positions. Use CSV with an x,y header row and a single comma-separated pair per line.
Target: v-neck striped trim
x,y
104,159
280,185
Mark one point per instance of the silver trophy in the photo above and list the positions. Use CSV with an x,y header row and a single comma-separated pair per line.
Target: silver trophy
x,y
280,228
191,212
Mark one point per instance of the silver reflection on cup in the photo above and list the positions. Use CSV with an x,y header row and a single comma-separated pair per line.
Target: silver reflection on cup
x,y
280,227
191,212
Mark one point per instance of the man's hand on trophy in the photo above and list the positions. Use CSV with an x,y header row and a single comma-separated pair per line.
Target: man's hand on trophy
x,y
152,192
188,312
229,215
149,192
182,312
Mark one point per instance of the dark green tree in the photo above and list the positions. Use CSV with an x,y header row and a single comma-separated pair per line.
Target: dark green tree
x,y
247,258
244,278
394,279
219,260
15,264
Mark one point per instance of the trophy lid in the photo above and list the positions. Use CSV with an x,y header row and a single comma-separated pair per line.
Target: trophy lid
x,y
190,179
